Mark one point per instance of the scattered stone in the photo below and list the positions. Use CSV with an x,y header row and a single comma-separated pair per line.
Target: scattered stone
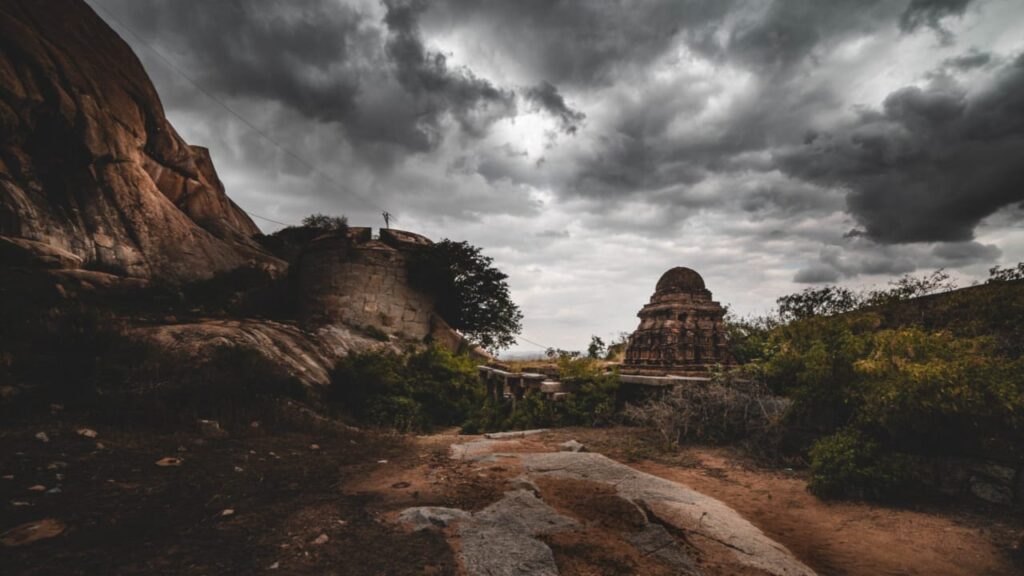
x,y
32,531
239,469
57,465
227,512
42,437
37,488
87,432
992,491
321,539
182,449
254,424
169,461
54,490
17,503
424,517
400,485
382,461
314,446
211,429
502,538
8,476
100,446
572,446
274,566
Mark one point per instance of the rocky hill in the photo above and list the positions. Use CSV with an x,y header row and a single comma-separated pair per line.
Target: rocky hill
x,y
92,175
109,221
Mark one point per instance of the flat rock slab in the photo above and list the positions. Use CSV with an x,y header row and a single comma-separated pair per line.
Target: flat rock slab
x,y
671,508
500,540
514,434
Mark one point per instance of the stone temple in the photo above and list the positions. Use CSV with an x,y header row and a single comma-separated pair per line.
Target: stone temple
x,y
681,330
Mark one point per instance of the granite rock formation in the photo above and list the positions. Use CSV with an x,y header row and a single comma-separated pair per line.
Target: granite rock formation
x,y
89,165
681,330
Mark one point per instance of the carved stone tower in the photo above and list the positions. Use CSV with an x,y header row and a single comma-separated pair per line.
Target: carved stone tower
x,y
681,330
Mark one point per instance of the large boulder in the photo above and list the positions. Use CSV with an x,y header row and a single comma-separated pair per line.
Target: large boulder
x,y
89,165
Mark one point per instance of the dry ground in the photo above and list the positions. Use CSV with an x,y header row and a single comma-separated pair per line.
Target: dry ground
x,y
327,509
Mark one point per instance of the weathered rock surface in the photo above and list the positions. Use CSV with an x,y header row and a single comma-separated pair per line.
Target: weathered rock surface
x,y
309,356
91,172
668,509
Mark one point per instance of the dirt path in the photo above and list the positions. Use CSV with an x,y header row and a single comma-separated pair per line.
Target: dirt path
x,y
845,539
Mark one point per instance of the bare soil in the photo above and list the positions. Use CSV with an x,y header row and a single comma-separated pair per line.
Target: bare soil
x,y
307,502
126,515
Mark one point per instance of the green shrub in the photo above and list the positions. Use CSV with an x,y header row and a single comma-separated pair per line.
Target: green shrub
x,y
418,391
849,464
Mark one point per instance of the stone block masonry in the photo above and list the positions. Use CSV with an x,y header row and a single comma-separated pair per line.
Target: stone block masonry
x,y
362,282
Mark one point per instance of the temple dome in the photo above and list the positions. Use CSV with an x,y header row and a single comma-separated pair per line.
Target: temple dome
x,y
680,279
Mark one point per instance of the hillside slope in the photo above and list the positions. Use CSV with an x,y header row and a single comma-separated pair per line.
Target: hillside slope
x,y
91,172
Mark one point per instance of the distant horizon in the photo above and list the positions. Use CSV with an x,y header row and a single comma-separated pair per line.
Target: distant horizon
x,y
588,147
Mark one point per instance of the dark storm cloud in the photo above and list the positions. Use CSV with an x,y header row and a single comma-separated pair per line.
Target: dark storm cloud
x,y
930,13
931,164
582,42
328,61
969,60
475,103
546,97
862,256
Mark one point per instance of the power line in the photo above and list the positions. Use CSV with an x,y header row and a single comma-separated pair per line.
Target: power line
x,y
265,218
528,341
170,64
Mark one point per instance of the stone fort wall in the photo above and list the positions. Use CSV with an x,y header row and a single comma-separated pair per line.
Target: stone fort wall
x,y
362,282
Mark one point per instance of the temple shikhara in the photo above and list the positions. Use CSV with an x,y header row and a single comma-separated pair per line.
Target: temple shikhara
x,y
681,330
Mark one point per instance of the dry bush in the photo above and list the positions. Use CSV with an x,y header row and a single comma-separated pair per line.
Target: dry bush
x,y
725,409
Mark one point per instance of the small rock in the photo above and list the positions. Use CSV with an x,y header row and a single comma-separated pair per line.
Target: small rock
x,y
182,449
169,461
56,465
100,446
382,461
87,432
8,476
227,512
42,437
37,488
239,469
274,566
572,446
17,503
314,446
211,429
32,531
255,424
400,485
54,490
425,517
321,539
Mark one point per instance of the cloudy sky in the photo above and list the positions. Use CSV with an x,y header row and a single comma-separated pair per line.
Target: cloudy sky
x,y
589,145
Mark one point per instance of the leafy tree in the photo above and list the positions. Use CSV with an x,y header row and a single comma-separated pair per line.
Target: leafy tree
x,y
997,274
472,295
596,349
325,223
826,301
909,287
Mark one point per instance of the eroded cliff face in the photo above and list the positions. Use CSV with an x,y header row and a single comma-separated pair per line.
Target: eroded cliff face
x,y
89,165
